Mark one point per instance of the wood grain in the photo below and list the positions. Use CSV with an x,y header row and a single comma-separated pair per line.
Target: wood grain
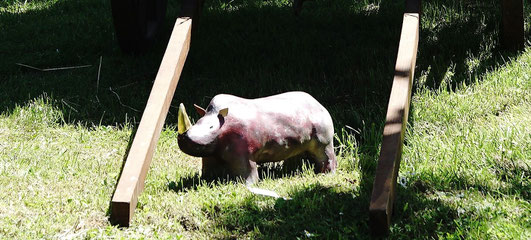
x,y
384,187
131,182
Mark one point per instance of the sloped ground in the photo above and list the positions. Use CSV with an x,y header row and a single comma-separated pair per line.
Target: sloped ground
x,y
465,169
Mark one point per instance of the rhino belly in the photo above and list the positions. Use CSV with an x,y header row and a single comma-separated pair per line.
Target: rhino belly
x,y
274,151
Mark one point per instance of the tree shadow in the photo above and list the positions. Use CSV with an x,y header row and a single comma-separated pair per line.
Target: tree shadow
x,y
248,49
322,212
462,46
343,56
340,52
73,33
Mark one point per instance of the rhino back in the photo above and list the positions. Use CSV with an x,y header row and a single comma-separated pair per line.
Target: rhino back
x,y
276,127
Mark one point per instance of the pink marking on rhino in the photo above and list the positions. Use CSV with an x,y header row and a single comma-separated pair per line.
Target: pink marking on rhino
x,y
255,131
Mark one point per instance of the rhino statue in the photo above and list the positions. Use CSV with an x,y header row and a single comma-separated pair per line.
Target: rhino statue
x,y
235,134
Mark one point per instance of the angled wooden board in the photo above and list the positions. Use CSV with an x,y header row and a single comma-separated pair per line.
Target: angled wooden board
x,y
131,182
383,193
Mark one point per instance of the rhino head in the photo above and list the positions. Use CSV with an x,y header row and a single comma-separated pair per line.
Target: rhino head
x,y
200,139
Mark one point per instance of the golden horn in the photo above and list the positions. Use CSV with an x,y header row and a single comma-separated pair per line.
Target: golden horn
x,y
183,121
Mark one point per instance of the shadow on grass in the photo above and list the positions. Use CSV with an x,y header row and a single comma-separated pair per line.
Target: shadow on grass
x,y
341,52
323,212
294,166
288,168
317,211
186,183
463,45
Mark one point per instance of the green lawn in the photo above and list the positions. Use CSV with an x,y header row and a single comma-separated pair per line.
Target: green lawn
x,y
465,170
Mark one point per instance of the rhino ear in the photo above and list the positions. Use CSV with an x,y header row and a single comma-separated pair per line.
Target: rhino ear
x,y
223,112
201,111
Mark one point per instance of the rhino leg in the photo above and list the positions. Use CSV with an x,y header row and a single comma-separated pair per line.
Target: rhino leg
x,y
244,169
233,169
214,168
251,176
325,159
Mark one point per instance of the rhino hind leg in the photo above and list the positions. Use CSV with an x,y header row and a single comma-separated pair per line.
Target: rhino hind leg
x,y
325,159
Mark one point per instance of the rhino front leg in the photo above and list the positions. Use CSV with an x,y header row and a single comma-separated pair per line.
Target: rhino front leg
x,y
245,169
214,168
325,159
252,175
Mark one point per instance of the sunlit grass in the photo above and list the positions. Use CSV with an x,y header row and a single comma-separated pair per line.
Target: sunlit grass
x,y
465,171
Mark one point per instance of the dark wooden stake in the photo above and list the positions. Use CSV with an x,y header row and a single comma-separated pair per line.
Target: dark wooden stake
x,y
384,188
512,24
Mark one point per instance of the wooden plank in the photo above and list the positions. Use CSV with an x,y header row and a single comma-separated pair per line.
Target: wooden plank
x,y
513,24
131,182
383,192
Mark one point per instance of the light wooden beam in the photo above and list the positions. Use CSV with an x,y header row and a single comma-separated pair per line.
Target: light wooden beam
x,y
512,32
383,193
131,182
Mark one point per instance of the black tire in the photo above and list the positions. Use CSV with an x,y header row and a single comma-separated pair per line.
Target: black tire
x,y
137,23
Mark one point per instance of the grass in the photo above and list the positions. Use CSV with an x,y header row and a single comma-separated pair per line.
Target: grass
x,y
465,169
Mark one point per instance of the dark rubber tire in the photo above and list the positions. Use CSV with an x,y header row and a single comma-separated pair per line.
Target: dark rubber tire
x,y
137,23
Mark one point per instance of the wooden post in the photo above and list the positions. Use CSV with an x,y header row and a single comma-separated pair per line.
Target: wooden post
x,y
512,24
131,182
383,193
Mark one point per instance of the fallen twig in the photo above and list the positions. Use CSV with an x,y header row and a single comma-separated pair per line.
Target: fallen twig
x,y
52,69
68,105
120,101
98,80
126,85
